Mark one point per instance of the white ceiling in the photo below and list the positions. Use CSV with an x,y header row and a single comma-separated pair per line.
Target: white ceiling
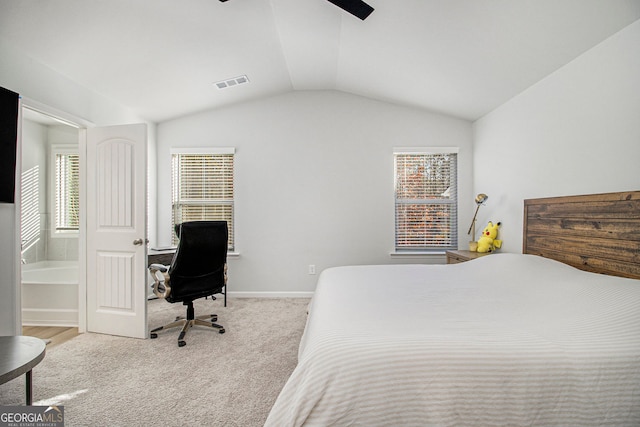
x,y
161,57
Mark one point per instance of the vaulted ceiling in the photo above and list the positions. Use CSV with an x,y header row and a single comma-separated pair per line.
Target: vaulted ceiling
x,y
162,57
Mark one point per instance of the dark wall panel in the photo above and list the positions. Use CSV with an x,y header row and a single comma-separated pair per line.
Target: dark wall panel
x,y
8,144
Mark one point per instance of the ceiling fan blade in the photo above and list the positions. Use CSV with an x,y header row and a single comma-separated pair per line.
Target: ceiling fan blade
x,y
355,7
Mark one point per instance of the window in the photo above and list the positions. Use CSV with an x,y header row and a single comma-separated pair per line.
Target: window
x,y
426,199
202,187
67,194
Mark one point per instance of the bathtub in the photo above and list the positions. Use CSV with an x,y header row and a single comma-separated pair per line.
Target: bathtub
x,y
50,293
50,272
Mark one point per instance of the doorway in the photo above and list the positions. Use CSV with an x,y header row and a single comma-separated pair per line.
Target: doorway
x,y
49,218
112,162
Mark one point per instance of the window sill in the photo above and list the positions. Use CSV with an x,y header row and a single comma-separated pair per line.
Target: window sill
x,y
66,234
417,253
439,257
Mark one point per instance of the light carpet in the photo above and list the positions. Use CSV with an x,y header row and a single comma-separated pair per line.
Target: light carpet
x,y
229,379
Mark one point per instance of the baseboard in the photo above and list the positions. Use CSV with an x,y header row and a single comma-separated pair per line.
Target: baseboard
x,y
49,317
269,295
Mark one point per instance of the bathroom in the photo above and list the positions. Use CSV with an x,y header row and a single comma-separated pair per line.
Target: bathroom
x,y
49,221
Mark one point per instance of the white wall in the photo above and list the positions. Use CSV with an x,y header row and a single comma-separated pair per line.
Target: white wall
x,y
42,85
575,132
34,158
314,180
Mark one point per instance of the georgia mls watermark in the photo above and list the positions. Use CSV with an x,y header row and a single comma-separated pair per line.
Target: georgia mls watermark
x,y
31,416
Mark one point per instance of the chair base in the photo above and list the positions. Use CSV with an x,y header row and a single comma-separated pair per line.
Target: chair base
x,y
188,322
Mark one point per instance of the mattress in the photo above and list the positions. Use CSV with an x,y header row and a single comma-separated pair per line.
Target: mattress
x,y
506,339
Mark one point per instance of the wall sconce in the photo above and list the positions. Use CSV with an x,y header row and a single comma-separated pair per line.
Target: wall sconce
x,y
480,199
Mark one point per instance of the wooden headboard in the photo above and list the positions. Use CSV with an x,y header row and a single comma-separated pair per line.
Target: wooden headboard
x,y
596,232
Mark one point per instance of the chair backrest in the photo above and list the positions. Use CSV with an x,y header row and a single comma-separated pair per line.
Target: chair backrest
x,y
197,269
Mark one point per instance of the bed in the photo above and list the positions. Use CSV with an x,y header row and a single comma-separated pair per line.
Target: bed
x,y
507,339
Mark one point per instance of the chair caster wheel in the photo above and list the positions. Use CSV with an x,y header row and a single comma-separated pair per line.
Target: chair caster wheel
x,y
182,343
152,336
221,331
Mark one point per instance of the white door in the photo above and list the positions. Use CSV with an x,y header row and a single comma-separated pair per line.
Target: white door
x,y
116,215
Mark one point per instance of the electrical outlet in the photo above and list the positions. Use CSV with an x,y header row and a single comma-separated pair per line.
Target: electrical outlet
x,y
312,269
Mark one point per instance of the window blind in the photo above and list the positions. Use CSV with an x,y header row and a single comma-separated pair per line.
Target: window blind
x,y
426,200
202,189
67,191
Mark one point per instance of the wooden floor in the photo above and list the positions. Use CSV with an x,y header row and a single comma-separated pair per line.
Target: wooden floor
x,y
54,335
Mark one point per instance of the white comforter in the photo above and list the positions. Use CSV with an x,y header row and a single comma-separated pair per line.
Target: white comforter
x,y
503,340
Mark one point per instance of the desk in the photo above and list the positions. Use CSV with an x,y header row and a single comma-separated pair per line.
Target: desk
x,y
18,355
160,256
455,257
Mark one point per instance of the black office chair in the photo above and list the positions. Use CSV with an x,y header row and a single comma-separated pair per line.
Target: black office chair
x,y
198,270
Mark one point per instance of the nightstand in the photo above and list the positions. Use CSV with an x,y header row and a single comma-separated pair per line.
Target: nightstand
x,y
454,257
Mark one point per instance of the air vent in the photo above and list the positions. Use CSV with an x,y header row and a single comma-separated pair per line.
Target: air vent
x,y
223,84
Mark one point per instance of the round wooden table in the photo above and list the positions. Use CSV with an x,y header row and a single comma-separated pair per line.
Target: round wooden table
x,y
18,355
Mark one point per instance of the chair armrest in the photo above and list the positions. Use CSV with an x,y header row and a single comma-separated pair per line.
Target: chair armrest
x,y
159,267
161,286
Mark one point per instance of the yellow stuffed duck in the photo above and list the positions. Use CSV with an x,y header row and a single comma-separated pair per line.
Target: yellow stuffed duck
x,y
488,241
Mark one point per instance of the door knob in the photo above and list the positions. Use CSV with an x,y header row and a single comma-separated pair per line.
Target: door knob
x,y
138,242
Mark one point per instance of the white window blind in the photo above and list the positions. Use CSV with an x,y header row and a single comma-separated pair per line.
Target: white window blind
x,y
67,193
202,189
426,200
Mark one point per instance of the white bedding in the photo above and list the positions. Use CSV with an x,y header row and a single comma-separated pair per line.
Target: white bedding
x,y
502,340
